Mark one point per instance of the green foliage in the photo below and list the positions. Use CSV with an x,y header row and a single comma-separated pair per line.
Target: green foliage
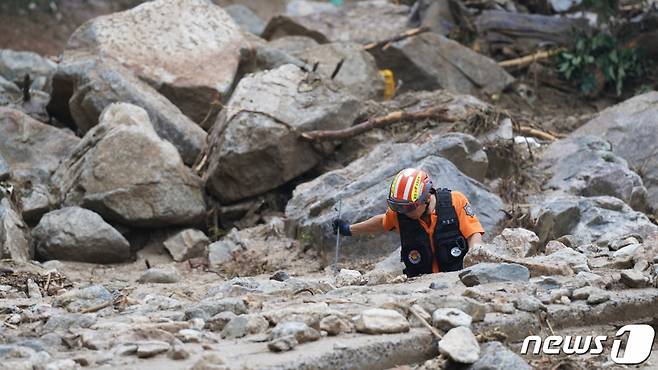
x,y
600,55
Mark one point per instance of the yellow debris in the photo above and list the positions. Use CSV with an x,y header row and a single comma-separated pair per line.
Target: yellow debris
x,y
389,83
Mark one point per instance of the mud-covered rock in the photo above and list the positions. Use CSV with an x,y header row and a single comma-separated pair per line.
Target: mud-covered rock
x,y
181,65
77,234
631,127
84,87
123,171
362,187
430,61
254,146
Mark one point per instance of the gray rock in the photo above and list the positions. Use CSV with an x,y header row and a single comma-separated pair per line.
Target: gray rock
x,y
254,146
283,344
10,94
349,65
430,61
14,65
243,325
66,321
302,332
187,244
147,185
495,356
553,246
484,273
335,325
460,345
148,349
14,236
528,304
246,18
619,243
448,318
66,364
160,275
634,279
381,321
219,321
293,44
97,83
631,128
598,297
78,299
587,166
349,277
435,15
311,208
585,292
33,151
360,22
465,152
516,242
210,307
209,360
470,306
594,219
77,234
280,276
5,172
180,65
526,32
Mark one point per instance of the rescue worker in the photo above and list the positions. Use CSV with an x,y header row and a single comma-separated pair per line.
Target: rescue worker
x,y
437,227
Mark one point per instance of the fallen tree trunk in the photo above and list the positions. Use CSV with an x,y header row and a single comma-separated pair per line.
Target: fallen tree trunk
x,y
397,116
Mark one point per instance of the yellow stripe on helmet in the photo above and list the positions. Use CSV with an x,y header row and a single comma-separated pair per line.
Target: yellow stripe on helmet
x,y
416,189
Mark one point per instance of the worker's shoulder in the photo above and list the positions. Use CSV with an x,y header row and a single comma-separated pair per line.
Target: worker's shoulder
x,y
458,197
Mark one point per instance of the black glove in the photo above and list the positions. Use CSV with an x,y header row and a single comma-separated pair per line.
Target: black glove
x,y
342,226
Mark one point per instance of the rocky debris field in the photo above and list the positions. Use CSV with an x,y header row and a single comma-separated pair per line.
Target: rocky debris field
x,y
167,185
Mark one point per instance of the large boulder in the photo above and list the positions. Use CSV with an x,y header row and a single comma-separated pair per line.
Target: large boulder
x,y
77,234
174,45
123,171
33,151
349,65
587,166
84,87
632,128
14,234
430,61
362,22
362,188
524,33
14,65
592,219
255,146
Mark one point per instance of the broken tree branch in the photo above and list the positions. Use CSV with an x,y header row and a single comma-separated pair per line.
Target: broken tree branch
x,y
529,59
402,36
397,116
432,329
529,131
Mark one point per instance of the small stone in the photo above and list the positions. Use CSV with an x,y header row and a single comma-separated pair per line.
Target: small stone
x,y
484,273
349,277
280,276
569,241
438,285
245,325
190,336
554,246
33,290
189,243
125,349
67,364
209,361
495,356
557,294
581,268
159,275
178,351
641,265
565,300
414,321
584,292
655,259
460,345
151,348
335,325
381,321
219,321
529,304
282,344
628,251
597,297
448,318
634,279
507,308
302,332
617,244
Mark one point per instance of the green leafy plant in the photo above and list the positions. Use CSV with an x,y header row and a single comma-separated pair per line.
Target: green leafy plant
x,y
596,61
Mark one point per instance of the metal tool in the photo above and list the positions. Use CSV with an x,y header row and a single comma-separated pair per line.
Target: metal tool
x,y
337,240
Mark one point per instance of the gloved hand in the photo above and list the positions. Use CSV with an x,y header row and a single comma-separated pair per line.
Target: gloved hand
x,y
341,225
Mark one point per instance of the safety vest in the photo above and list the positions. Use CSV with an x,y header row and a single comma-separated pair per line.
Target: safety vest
x,y
449,243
